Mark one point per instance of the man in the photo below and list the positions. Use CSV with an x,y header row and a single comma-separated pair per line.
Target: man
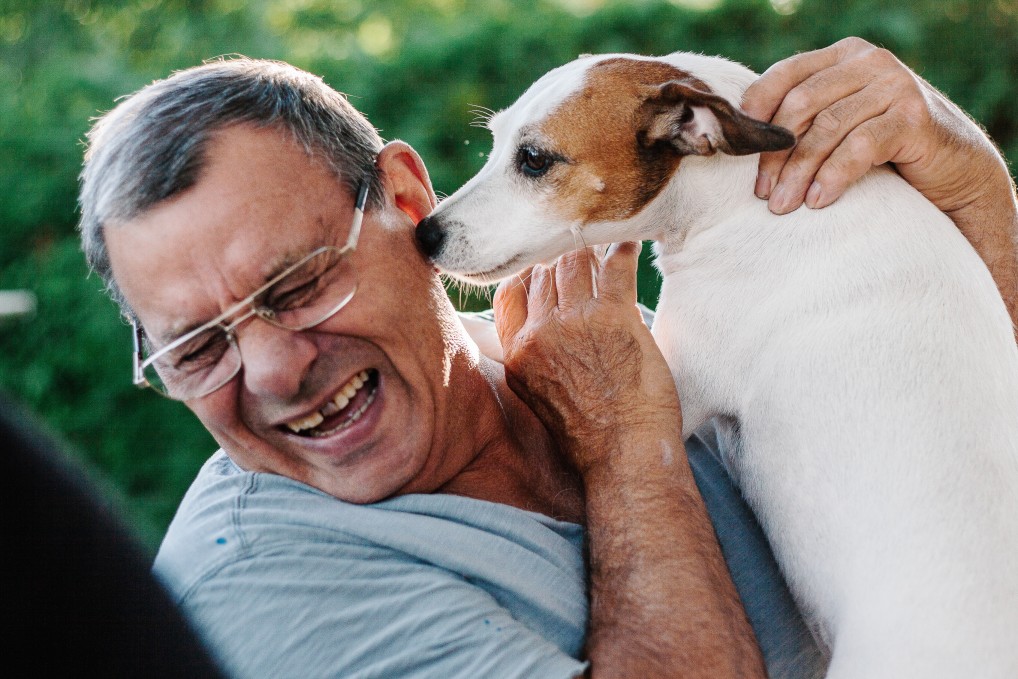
x,y
356,382
229,192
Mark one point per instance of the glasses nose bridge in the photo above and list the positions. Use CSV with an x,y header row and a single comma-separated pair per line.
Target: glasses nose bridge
x,y
251,309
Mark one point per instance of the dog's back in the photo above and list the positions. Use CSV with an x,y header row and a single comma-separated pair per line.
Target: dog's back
x,y
869,362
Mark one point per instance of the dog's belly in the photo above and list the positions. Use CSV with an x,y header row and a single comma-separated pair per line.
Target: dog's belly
x,y
877,400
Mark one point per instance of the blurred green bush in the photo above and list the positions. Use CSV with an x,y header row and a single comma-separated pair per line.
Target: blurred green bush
x,y
419,69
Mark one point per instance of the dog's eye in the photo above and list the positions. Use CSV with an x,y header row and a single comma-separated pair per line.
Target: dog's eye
x,y
533,162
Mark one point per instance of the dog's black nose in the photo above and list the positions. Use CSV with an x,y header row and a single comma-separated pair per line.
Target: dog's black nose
x,y
430,236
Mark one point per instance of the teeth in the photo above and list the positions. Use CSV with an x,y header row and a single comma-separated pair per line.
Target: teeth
x,y
331,408
338,402
312,420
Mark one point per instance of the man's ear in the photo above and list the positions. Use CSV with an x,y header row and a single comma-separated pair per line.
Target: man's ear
x,y
699,123
406,180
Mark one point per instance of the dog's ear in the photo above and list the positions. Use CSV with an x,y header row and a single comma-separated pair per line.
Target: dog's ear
x,y
699,123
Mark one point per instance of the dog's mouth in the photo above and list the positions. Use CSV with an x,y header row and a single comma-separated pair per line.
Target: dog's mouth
x,y
493,275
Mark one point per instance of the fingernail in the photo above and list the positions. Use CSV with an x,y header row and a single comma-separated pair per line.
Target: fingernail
x,y
815,196
764,185
780,200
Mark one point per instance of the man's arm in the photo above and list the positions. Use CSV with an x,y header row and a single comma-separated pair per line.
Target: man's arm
x,y
854,106
662,601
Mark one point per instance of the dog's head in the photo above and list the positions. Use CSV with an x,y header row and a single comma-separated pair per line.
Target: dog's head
x,y
589,145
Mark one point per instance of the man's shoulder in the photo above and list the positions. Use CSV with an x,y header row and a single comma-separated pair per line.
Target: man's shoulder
x,y
226,515
230,516
247,550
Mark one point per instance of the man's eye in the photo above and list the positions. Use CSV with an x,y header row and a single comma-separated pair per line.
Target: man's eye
x,y
534,162
202,352
293,296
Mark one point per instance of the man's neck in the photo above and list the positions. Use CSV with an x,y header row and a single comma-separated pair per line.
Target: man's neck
x,y
517,463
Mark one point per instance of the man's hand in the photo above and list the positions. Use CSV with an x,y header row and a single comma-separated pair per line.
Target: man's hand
x,y
854,106
587,365
662,603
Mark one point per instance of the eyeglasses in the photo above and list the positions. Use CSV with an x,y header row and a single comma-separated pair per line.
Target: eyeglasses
x,y
302,296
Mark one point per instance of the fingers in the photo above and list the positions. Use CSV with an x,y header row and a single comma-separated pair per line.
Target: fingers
x,y
544,296
583,275
617,282
817,110
574,277
763,97
871,143
782,97
522,300
510,306
850,104
798,178
567,285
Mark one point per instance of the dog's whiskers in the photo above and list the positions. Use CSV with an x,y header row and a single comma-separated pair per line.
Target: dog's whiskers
x,y
593,260
482,116
464,291
524,280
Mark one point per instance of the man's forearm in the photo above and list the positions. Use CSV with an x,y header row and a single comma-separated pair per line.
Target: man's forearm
x,y
662,601
1002,259
991,226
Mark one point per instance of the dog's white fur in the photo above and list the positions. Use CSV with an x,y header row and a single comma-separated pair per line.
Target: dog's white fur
x,y
860,359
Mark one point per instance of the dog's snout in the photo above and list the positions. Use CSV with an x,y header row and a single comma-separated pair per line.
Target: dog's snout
x,y
430,236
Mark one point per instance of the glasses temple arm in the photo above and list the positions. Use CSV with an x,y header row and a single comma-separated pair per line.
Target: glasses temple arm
x,y
358,214
138,375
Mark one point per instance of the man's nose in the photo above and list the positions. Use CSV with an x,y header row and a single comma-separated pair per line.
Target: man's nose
x,y
275,360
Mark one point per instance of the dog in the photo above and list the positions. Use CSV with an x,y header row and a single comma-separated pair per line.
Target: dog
x,y
859,358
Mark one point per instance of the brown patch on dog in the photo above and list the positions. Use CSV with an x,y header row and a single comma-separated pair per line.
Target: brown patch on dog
x,y
611,175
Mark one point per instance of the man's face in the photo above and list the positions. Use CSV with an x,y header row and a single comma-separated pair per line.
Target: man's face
x,y
262,203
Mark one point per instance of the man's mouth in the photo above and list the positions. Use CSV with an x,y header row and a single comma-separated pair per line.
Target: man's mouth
x,y
342,410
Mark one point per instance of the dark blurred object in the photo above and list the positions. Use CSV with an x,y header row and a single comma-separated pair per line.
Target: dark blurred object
x,y
79,597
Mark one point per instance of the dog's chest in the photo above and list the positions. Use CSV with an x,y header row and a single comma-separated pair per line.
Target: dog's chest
x,y
719,301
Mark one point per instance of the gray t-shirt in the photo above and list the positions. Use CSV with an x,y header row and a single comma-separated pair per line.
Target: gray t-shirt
x,y
286,581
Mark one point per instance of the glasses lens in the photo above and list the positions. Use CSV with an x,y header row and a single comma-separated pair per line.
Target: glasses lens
x,y
312,292
199,366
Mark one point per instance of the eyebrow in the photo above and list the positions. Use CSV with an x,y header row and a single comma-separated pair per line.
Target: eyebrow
x,y
293,255
282,262
179,329
175,332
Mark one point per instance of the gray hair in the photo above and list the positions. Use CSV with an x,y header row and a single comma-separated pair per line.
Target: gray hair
x,y
152,145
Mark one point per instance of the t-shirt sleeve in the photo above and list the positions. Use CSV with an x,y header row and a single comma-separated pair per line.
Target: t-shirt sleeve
x,y
361,610
789,648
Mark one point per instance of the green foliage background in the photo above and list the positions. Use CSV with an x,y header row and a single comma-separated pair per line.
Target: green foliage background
x,y
418,69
